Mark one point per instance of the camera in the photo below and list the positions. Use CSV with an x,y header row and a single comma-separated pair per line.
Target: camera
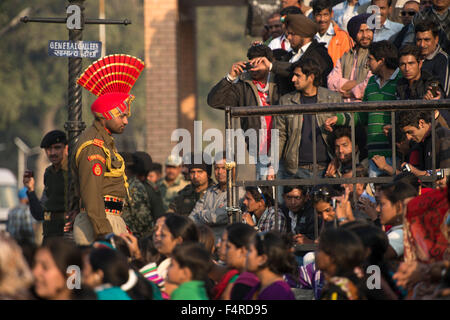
x,y
434,88
406,168
248,66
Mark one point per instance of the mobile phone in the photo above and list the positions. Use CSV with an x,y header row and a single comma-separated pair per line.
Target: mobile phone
x,y
406,168
434,88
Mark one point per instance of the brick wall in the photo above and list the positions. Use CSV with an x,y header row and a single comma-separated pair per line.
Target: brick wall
x,y
161,23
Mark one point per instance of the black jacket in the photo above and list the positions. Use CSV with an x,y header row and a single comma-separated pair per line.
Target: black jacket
x,y
418,88
239,94
305,220
283,70
442,150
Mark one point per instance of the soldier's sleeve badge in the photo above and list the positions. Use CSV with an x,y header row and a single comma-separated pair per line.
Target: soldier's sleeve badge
x,y
97,157
97,169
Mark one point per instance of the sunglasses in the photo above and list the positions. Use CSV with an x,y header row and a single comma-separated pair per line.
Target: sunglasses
x,y
410,13
320,192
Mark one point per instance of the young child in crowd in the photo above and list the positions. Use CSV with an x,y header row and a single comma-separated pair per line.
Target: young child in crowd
x,y
189,268
105,270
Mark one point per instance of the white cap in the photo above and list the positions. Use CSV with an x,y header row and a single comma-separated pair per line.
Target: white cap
x,y
174,161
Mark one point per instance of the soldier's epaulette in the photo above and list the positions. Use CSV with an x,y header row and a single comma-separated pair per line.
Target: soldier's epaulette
x,y
98,143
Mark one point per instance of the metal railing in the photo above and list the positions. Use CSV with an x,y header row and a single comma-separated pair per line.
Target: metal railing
x,y
371,106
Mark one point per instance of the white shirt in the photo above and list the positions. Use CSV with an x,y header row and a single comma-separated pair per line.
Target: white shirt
x,y
343,12
293,217
327,36
395,238
387,30
163,268
300,52
276,43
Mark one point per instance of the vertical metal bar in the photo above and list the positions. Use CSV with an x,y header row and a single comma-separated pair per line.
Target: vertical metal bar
x,y
235,189
277,216
433,146
316,225
314,142
74,126
394,146
352,124
227,154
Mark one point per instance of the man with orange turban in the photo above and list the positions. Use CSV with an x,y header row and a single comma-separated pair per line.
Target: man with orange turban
x,y
97,168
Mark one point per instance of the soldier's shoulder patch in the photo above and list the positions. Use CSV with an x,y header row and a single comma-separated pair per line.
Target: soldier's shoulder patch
x,y
97,157
97,169
98,143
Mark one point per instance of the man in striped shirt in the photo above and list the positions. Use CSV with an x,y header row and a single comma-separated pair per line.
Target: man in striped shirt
x,y
383,63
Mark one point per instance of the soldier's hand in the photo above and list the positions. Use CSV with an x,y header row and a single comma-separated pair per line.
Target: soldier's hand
x,y
70,219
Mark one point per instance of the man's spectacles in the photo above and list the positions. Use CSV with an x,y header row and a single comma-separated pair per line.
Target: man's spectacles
x,y
410,13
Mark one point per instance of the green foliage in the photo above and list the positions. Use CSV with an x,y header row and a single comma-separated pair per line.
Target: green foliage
x,y
221,42
33,84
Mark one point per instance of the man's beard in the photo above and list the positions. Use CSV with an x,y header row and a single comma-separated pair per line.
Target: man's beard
x,y
347,159
362,46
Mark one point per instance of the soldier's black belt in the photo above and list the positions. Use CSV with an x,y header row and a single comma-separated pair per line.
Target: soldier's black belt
x,y
114,205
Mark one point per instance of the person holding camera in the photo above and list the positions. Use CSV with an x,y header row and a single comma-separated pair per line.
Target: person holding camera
x,y
417,127
435,59
246,86
416,83
52,207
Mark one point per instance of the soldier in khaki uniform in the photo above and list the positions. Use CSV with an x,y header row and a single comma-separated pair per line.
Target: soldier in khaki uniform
x,y
98,169
173,182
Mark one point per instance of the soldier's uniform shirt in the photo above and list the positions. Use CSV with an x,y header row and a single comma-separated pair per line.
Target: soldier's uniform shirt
x,y
168,193
186,199
143,208
99,176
